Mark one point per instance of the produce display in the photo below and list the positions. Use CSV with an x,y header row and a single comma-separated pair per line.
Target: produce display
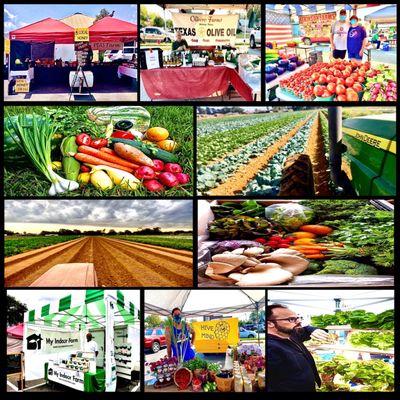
x,y
253,245
284,63
118,153
373,339
343,80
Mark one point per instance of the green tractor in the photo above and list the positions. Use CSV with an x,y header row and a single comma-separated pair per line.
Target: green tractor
x,y
371,153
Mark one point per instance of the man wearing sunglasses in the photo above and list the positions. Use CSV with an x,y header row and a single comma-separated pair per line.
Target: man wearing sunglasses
x,y
291,367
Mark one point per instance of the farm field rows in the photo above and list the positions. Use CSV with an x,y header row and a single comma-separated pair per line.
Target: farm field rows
x,y
18,244
117,263
285,155
183,242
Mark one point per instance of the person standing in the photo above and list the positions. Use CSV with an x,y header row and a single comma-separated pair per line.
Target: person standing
x,y
356,39
179,44
291,367
339,32
90,345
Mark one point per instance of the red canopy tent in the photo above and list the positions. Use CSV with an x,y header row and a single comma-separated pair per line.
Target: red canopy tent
x,y
15,336
16,331
46,30
111,29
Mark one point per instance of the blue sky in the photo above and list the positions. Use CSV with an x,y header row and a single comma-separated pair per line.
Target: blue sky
x,y
18,15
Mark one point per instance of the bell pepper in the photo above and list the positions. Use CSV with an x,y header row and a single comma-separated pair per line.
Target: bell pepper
x,y
123,135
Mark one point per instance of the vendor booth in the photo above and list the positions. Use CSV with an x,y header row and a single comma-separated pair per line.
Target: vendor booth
x,y
55,344
220,360
52,56
15,357
209,66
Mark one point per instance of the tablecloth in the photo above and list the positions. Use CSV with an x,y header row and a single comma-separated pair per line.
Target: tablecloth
x,y
95,382
192,83
128,71
28,73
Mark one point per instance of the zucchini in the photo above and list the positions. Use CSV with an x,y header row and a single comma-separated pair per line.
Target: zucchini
x,y
151,151
139,116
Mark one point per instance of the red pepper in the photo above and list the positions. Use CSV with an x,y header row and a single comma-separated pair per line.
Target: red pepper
x,y
123,135
284,246
83,139
260,240
84,168
99,143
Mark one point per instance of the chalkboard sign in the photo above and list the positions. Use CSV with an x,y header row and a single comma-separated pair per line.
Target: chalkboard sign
x,y
82,46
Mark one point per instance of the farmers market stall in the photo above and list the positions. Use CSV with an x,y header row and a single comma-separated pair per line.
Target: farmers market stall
x,y
296,243
210,64
37,46
243,369
120,150
359,355
54,337
15,357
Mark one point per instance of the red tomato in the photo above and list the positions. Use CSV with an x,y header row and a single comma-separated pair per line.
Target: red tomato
x,y
341,97
331,78
340,81
322,79
357,87
340,89
349,82
318,90
315,76
331,87
346,73
360,79
351,95
326,93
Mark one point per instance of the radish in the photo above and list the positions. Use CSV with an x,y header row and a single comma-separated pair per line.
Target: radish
x,y
168,179
182,178
153,186
158,165
144,172
173,167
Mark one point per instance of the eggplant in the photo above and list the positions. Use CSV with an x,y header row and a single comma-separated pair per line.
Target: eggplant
x,y
270,77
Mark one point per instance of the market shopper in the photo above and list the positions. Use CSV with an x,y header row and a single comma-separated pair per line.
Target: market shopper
x,y
376,39
179,44
90,345
339,32
291,366
180,341
356,39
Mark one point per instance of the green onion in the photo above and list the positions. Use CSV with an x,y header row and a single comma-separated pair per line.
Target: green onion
x,y
35,141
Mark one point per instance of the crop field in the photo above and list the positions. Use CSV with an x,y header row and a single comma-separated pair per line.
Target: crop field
x,y
183,242
278,154
19,244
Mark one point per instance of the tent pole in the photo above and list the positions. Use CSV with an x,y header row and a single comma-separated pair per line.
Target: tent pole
x,y
165,21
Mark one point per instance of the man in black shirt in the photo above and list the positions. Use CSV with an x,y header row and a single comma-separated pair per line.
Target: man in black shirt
x,y
291,367
179,44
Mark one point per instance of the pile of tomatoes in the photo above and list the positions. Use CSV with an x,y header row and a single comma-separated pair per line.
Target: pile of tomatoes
x,y
340,80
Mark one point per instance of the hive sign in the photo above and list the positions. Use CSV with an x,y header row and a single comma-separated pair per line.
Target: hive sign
x,y
206,30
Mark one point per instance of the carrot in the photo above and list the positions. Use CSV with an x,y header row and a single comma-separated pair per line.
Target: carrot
x,y
316,256
310,252
132,154
109,151
85,158
320,230
309,247
90,151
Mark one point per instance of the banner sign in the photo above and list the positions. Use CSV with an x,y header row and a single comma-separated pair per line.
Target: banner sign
x,y
206,30
82,46
21,86
317,18
317,25
66,376
107,46
81,35
216,335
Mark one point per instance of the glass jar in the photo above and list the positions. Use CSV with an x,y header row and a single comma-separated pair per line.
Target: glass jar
x,y
238,383
248,386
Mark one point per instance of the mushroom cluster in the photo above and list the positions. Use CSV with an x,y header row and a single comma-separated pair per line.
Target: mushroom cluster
x,y
253,267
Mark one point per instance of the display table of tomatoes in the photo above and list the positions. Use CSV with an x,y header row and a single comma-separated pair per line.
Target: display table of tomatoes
x,y
340,80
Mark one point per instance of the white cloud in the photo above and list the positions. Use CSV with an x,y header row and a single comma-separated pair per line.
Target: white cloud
x,y
22,23
9,25
9,14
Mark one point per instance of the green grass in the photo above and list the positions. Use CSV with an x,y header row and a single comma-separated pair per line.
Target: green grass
x,y
25,181
19,244
180,242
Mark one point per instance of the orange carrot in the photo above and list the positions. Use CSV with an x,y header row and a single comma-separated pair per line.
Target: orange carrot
x,y
107,157
86,158
109,151
310,252
316,256
308,247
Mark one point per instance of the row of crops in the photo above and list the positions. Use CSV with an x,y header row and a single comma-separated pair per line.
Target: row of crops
x,y
224,155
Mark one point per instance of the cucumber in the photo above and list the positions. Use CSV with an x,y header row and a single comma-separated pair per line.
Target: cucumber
x,y
150,151
139,116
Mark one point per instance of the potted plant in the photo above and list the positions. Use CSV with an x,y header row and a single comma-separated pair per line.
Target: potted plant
x,y
213,370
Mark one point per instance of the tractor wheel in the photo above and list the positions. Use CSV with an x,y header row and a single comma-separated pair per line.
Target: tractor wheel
x,y
297,176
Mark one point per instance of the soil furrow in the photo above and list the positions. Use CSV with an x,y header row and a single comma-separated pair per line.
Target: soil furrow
x,y
235,184
32,271
174,273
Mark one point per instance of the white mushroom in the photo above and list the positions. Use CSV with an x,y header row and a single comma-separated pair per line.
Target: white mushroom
x,y
229,258
268,276
250,263
222,268
294,264
253,251
210,273
239,251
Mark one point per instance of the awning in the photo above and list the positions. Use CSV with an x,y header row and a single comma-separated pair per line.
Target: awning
x,y
46,30
304,9
16,331
387,14
202,303
111,29
236,7
72,312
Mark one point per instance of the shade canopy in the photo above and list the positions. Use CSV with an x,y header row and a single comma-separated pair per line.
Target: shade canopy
x,y
78,20
71,312
387,14
305,9
16,331
209,7
46,30
203,303
109,29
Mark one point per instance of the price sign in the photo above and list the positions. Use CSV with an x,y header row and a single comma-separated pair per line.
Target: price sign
x,y
81,34
21,86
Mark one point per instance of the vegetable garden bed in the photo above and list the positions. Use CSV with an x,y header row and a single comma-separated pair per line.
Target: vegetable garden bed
x,y
101,151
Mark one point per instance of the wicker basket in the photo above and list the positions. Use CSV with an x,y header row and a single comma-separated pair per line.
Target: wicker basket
x,y
224,384
190,379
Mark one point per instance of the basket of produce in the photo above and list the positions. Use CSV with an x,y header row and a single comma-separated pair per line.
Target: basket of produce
x,y
224,381
182,378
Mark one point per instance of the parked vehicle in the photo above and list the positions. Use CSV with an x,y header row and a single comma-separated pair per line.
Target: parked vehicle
x,y
154,34
154,339
246,334
125,54
255,37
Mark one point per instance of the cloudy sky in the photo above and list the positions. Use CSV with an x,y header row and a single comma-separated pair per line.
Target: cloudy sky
x,y
19,15
33,216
